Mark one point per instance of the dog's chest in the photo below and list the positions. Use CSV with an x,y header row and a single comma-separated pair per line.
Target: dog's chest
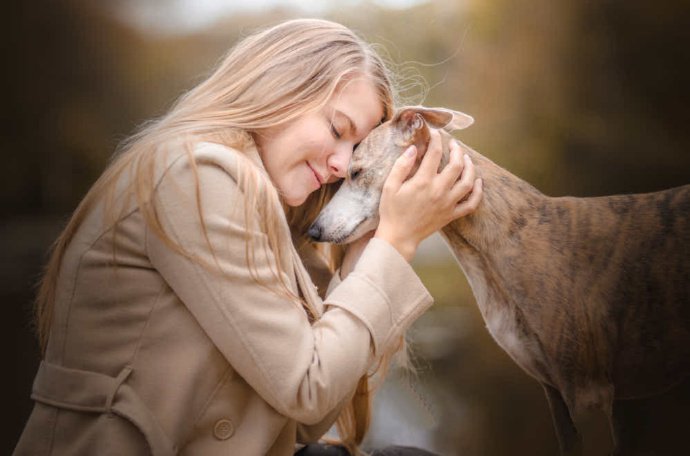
x,y
501,315
502,323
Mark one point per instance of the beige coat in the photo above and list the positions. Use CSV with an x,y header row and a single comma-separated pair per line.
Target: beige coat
x,y
163,356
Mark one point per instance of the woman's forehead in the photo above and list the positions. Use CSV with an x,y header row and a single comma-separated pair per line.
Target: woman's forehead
x,y
359,99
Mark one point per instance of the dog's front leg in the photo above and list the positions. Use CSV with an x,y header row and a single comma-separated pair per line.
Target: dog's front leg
x,y
569,439
627,424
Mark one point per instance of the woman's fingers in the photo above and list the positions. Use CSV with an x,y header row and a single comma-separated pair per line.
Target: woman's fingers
x,y
432,157
456,163
465,184
410,210
470,204
401,169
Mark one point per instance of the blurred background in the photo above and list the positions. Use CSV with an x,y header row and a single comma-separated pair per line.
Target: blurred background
x,y
578,98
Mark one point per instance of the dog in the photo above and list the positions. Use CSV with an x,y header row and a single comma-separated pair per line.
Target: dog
x,y
590,296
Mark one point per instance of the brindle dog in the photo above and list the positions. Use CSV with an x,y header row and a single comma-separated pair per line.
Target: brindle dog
x,y
590,296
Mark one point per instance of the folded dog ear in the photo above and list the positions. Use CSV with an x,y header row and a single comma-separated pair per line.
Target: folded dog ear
x,y
410,118
458,121
413,123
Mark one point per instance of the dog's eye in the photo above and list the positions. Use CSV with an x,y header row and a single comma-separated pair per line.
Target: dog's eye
x,y
355,173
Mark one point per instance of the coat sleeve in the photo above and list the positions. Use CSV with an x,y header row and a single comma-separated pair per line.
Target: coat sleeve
x,y
314,432
302,370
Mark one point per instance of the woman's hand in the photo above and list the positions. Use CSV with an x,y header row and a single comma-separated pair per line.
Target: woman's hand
x,y
411,210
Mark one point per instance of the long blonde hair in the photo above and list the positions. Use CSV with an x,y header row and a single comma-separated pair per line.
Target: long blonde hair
x,y
269,78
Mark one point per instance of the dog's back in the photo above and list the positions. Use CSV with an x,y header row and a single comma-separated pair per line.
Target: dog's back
x,y
637,265
598,289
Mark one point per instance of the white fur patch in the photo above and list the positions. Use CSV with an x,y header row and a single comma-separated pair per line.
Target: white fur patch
x,y
501,325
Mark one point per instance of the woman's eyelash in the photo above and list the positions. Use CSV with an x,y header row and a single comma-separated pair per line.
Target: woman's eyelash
x,y
335,132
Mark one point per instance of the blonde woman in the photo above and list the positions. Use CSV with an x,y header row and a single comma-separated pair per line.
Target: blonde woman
x,y
182,310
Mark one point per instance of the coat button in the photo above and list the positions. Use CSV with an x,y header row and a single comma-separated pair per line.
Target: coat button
x,y
223,429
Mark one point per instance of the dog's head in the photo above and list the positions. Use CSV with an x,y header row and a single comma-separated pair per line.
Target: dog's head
x,y
354,209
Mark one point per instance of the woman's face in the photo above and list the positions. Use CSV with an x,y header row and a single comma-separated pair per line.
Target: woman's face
x,y
315,149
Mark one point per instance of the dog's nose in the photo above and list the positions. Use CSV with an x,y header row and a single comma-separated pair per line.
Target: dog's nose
x,y
314,232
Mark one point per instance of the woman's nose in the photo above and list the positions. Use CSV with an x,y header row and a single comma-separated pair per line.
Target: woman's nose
x,y
337,162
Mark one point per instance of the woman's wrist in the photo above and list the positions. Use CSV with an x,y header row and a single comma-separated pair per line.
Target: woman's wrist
x,y
405,246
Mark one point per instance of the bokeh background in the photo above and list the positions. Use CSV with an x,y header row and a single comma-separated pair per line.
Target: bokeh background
x,y
579,98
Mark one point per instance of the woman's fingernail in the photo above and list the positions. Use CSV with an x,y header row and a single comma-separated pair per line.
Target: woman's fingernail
x,y
411,151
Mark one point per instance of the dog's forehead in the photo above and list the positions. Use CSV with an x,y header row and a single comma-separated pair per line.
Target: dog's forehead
x,y
378,143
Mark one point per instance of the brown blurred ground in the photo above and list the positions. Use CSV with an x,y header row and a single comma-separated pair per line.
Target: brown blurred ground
x,y
580,98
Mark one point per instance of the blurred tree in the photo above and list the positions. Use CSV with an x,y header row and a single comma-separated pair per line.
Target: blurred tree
x,y
628,97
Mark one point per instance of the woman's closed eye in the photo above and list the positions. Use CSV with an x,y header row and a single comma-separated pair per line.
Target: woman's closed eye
x,y
335,132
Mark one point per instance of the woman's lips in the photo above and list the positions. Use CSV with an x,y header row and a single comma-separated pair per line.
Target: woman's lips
x,y
317,176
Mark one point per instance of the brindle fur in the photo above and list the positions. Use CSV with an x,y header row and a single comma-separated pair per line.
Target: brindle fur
x,y
590,296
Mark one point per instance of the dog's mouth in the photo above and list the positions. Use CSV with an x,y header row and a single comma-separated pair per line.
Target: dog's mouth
x,y
318,232
350,237
351,213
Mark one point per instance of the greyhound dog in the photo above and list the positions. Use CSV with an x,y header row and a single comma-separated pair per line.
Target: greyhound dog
x,y
590,296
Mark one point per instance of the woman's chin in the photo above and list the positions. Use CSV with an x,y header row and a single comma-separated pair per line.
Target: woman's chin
x,y
294,200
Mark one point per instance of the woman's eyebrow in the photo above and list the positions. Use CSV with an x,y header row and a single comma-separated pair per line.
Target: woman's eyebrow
x,y
353,127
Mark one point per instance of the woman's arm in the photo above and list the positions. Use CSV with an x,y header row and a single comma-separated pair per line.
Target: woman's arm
x,y
303,370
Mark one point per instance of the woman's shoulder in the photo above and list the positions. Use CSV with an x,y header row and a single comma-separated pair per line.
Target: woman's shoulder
x,y
210,175
205,151
217,151
191,156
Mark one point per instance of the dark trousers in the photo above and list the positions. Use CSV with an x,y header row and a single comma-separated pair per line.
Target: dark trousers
x,y
319,449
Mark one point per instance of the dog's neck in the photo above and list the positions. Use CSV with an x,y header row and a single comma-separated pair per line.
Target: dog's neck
x,y
507,203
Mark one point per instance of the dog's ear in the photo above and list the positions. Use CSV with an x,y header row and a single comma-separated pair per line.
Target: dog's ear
x,y
412,118
458,120
413,123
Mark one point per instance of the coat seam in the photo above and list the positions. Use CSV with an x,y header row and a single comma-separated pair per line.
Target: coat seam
x,y
226,375
140,339
89,247
65,327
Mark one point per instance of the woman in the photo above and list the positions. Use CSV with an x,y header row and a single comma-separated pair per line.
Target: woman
x,y
183,311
